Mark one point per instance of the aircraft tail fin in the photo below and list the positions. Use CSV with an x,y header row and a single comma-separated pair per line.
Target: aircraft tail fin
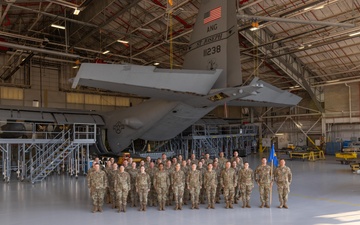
x,y
215,43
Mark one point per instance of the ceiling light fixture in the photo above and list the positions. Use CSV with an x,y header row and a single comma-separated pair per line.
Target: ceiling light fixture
x,y
254,28
354,34
58,26
123,41
75,67
76,11
106,52
156,64
145,29
301,46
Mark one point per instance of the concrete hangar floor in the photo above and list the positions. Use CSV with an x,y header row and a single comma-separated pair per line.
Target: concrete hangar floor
x,y
322,192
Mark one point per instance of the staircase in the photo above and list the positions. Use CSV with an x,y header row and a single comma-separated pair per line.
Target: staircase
x,y
58,149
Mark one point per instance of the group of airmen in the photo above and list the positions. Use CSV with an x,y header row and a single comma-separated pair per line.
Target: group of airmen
x,y
178,180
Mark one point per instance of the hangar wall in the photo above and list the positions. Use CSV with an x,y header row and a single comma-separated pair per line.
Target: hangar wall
x,y
50,86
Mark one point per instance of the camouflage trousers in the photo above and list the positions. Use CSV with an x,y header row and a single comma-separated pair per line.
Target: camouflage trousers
x,y
218,192
133,196
237,193
107,195
162,193
246,192
178,194
152,196
264,190
186,195
202,195
143,195
211,193
195,192
112,195
121,196
97,196
170,195
229,193
283,190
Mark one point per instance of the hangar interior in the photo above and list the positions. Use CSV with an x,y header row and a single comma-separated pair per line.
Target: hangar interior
x,y
309,48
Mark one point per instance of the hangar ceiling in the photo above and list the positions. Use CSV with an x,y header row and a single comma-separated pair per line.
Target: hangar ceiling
x,y
293,56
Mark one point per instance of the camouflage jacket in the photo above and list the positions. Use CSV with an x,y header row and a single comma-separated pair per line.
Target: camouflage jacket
x,y
178,179
208,161
143,181
228,178
210,179
246,177
161,179
263,174
283,175
133,173
97,180
194,179
122,181
222,162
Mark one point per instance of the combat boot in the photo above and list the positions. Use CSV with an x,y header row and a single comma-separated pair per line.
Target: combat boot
x,y
209,206
144,207
230,205
212,205
266,205
124,208
100,209
95,209
285,205
163,205
160,206
141,207
197,205
262,205
227,205
113,206
244,204
176,206
120,209
248,205
192,206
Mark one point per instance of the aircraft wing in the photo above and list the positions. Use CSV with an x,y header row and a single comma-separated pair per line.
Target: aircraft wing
x,y
267,95
147,81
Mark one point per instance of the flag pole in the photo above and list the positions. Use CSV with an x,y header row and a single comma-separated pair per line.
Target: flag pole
x,y
271,179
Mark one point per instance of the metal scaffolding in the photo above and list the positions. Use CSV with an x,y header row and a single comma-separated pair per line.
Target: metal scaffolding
x,y
41,152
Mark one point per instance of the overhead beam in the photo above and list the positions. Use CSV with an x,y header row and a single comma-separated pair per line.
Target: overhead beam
x,y
287,20
289,64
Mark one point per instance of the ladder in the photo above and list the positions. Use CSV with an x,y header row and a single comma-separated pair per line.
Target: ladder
x,y
53,160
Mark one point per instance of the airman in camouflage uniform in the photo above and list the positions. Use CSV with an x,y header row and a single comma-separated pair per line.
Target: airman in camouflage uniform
x,y
194,183
133,195
210,184
163,158
228,180
147,162
185,169
161,184
97,183
202,190
217,169
143,185
283,178
207,159
246,184
235,155
111,179
193,159
152,198
178,185
236,189
122,186
263,179
222,160
108,170
170,194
